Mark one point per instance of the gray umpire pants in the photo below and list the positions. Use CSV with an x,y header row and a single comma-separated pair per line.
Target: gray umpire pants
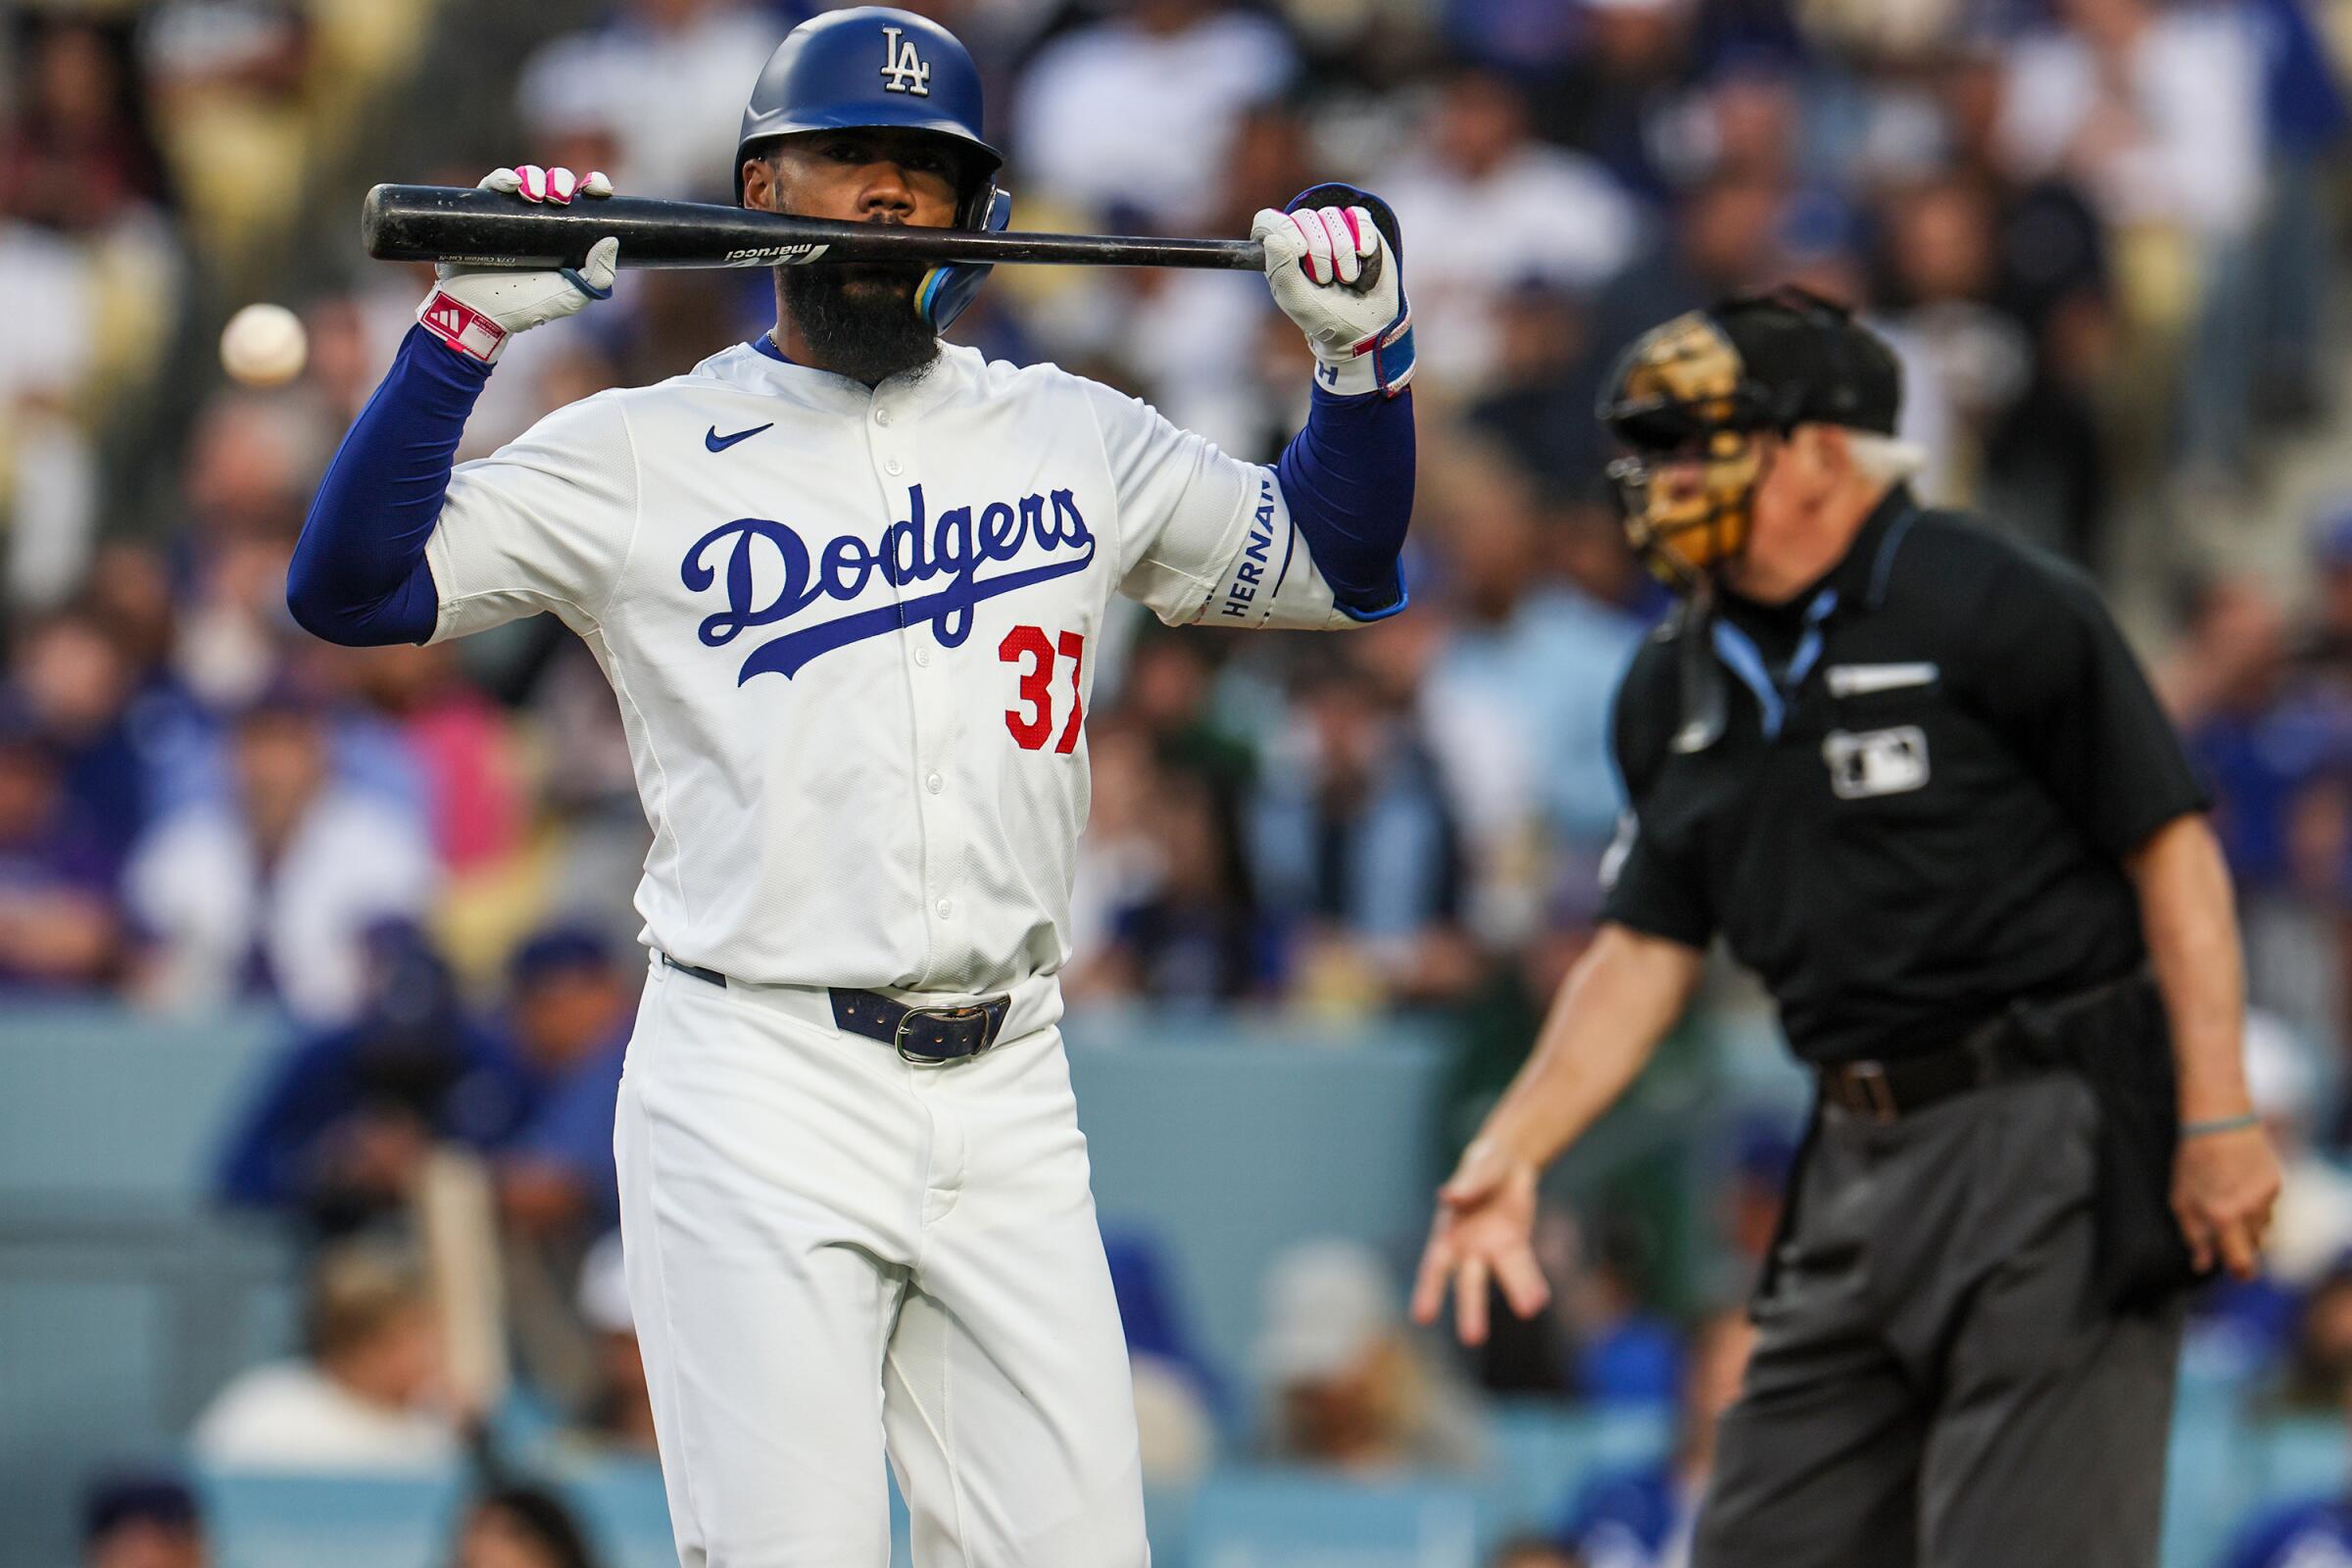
x,y
1932,1386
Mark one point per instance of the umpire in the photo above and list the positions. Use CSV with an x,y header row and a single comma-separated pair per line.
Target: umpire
x,y
1912,776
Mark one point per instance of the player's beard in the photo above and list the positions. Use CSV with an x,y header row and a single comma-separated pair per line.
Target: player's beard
x,y
859,321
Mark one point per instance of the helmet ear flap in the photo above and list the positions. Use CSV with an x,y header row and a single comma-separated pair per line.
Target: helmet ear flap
x,y
946,291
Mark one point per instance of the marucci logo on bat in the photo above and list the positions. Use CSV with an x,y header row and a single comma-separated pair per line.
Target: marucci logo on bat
x,y
742,556
782,254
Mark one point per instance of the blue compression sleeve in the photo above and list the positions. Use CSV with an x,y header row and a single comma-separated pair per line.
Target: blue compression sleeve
x,y
358,575
1349,479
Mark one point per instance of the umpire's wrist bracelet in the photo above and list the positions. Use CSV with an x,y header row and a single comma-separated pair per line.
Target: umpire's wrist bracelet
x,y
2219,1124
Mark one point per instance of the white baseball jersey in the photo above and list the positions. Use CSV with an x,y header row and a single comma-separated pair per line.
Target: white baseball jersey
x,y
852,635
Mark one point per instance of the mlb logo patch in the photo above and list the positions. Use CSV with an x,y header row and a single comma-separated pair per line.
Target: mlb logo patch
x,y
1877,762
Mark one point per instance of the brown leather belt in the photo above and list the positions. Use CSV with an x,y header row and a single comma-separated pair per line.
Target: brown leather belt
x,y
2013,1043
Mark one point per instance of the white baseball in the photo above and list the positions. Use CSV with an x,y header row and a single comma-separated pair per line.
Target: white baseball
x,y
263,345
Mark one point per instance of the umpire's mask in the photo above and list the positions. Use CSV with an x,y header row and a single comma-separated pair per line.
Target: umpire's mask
x,y
1692,401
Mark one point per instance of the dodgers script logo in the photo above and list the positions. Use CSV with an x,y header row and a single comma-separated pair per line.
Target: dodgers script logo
x,y
955,547
903,70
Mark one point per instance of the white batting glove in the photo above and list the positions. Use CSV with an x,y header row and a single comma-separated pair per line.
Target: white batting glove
x,y
1362,339
474,309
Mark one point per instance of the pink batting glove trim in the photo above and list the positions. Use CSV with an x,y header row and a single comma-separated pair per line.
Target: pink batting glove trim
x,y
1309,262
1346,259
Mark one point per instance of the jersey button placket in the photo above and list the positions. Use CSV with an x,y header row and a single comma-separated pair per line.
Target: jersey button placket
x,y
933,710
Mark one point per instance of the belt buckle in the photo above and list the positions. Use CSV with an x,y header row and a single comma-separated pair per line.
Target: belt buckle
x,y
1868,1079
897,1035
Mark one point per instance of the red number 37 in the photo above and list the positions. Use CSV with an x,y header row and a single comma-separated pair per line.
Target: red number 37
x,y
1030,728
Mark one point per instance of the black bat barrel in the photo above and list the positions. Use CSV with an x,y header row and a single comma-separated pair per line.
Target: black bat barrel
x,y
491,228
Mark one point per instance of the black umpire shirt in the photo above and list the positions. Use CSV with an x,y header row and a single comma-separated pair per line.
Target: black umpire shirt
x,y
1936,760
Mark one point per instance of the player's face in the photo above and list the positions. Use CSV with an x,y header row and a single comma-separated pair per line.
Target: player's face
x,y
867,176
857,319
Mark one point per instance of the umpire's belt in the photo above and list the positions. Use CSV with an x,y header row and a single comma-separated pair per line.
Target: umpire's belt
x,y
2014,1044
931,1037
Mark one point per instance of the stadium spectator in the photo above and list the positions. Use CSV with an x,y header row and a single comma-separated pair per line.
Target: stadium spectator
x,y
2312,1227
2156,112
2304,119
1476,156
670,79
362,1394
250,464
1345,1388
266,895
338,1131
1535,400
619,1417
78,689
1203,341
570,1010
142,1520
1170,692
227,70
1193,935
1936,297
60,927
1516,698
1625,1354
76,155
1356,850
1641,1518
1613,97
2318,1374
520,1525
1174,1389
2048,468
2275,748
463,749
1128,118
81,187
1119,854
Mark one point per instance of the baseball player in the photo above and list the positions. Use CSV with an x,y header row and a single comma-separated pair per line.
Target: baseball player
x,y
847,583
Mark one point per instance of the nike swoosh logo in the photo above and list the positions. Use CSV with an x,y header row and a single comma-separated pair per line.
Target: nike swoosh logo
x,y
719,443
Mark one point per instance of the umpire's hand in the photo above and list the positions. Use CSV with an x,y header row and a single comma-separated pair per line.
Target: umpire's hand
x,y
1484,1229
2223,1186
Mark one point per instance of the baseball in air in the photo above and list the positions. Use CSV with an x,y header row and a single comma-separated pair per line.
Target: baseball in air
x,y
263,345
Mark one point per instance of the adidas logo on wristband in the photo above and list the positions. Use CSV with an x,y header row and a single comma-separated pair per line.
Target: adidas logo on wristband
x,y
462,326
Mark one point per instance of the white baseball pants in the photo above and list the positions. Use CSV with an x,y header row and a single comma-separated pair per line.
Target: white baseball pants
x,y
831,1252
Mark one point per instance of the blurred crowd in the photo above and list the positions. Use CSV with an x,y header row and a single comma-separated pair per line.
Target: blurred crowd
x,y
2103,234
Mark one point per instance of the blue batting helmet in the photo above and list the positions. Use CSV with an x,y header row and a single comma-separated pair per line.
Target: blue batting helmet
x,y
871,67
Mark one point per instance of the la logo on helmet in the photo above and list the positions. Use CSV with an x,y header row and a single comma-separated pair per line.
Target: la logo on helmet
x,y
903,70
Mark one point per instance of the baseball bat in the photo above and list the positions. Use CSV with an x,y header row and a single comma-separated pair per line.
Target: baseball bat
x,y
489,228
